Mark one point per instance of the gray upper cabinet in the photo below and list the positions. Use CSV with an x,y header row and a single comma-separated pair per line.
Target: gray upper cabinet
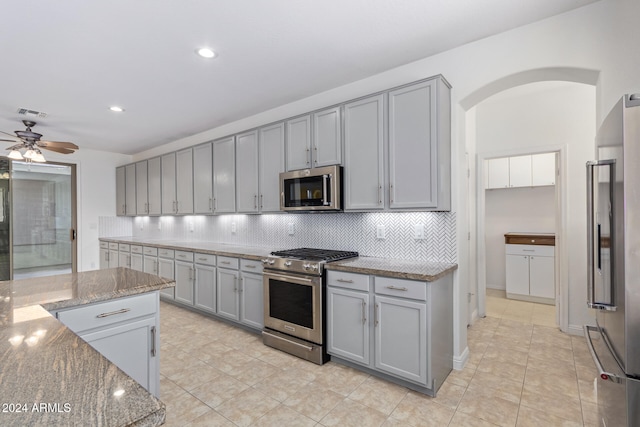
x,y
364,154
327,138
142,195
184,181
299,143
121,189
420,146
130,189
271,157
169,183
154,186
203,179
224,176
247,167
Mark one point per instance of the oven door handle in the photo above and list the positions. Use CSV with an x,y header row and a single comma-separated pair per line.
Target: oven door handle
x,y
291,278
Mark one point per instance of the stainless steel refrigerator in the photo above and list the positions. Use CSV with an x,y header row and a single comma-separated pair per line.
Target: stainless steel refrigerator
x,y
613,217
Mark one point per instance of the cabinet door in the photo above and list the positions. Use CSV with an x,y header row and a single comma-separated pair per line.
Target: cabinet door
x,y
154,186
542,277
104,258
227,294
121,189
224,176
247,165
124,259
299,143
271,155
169,183
114,258
130,190
348,324
252,300
184,282
136,262
498,173
184,181
520,171
401,336
413,155
327,138
150,264
205,297
203,179
142,196
517,274
132,347
166,269
363,154
543,169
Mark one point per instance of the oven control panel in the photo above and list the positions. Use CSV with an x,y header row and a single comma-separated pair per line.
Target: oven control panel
x,y
296,265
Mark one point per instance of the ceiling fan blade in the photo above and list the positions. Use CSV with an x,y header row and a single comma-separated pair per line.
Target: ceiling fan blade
x,y
9,140
59,149
16,147
15,138
57,144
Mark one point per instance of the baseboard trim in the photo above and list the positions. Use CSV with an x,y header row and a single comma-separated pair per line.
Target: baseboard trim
x,y
461,361
575,330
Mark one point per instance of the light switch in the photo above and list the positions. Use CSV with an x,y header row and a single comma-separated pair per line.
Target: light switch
x,y
291,229
233,227
191,225
418,231
380,232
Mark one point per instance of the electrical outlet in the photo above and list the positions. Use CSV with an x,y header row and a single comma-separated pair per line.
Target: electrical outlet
x,y
233,228
418,231
291,229
191,225
380,232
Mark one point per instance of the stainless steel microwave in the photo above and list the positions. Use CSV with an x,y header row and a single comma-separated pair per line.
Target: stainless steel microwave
x,y
317,189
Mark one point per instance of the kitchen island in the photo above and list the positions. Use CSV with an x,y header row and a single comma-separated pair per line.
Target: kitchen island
x,y
51,376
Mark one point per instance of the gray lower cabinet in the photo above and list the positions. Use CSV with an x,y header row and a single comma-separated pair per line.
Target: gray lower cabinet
x,y
227,293
104,255
137,259
166,268
396,327
125,331
185,277
205,298
124,255
251,294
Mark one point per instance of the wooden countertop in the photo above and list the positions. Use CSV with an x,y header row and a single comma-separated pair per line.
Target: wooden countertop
x,y
49,375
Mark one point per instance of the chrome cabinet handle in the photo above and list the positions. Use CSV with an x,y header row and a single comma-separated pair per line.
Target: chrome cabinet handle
x,y
364,311
241,285
155,267
308,155
210,204
202,259
215,204
380,194
397,288
112,313
153,341
225,262
250,266
261,200
375,315
344,280
255,201
391,193
235,284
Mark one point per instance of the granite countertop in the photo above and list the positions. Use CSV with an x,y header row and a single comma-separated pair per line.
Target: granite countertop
x,y
403,269
49,375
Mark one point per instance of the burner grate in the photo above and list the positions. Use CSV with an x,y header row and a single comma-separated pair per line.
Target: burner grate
x,y
312,254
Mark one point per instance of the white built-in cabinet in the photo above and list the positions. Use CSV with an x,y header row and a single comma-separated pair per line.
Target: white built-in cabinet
x,y
203,179
227,288
247,190
154,186
124,255
364,154
205,286
398,327
185,277
121,190
299,143
169,201
130,189
166,269
251,294
184,181
521,171
137,258
271,158
327,138
142,188
224,175
530,267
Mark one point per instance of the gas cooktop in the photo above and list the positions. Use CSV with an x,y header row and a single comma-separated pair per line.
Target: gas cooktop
x,y
311,254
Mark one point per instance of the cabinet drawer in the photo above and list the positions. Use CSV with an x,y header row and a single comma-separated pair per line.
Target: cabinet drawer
x,y
401,288
251,266
150,251
107,313
227,262
165,253
113,246
104,245
124,247
206,259
538,250
184,256
135,249
346,280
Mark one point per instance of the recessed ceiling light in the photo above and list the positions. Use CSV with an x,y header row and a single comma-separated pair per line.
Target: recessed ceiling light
x,y
205,52
116,109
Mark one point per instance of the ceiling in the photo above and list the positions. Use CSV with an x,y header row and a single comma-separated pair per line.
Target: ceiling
x,y
73,59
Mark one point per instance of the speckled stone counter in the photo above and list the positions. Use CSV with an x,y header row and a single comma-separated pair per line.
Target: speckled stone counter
x,y
48,375
403,269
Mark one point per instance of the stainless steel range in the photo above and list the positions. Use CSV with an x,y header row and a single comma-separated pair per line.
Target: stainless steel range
x,y
294,301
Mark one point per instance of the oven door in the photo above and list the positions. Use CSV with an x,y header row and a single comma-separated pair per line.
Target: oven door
x,y
293,304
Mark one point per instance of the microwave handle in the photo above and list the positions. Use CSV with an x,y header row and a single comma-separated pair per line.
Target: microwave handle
x,y
325,178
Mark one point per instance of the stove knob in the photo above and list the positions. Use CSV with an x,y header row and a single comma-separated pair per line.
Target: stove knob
x,y
314,267
272,261
265,261
306,266
287,263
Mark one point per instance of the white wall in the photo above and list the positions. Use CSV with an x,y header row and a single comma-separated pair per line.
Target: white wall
x,y
601,37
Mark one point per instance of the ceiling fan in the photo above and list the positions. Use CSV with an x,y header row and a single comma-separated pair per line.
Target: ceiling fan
x,y
29,142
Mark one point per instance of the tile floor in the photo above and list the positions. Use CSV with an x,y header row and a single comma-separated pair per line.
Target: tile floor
x,y
522,371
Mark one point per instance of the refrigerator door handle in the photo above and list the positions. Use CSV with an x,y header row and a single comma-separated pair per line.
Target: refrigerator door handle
x,y
607,376
592,228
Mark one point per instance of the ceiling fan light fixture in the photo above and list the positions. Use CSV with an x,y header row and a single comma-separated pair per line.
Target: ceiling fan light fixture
x,y
15,155
116,109
206,52
38,157
29,154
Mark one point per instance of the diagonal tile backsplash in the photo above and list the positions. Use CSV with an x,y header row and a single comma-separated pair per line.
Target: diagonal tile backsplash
x,y
347,231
